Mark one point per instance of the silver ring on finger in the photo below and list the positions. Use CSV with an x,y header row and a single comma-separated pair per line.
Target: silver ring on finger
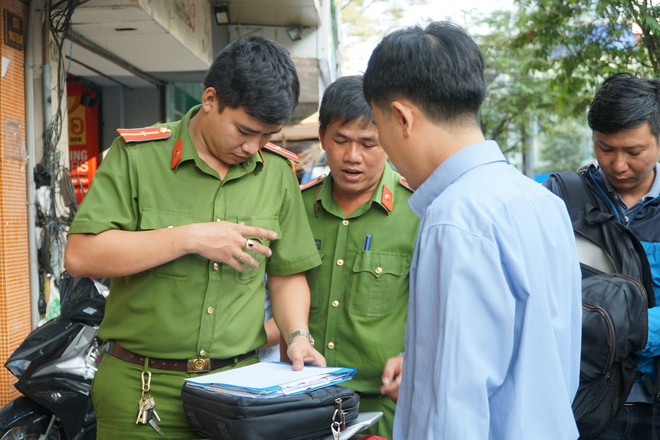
x,y
249,244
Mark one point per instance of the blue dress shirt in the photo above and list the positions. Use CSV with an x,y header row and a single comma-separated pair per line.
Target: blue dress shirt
x,y
494,327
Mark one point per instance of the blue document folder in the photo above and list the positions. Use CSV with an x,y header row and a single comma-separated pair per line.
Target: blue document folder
x,y
271,379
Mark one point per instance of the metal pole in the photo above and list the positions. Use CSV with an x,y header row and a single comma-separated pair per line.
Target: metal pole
x,y
31,190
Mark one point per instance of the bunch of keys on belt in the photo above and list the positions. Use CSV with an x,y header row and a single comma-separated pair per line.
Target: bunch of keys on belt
x,y
147,406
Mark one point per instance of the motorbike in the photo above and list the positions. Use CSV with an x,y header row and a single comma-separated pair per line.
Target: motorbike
x,y
55,366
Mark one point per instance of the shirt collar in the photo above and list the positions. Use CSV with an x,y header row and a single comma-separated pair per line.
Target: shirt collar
x,y
383,196
451,169
188,151
654,191
655,188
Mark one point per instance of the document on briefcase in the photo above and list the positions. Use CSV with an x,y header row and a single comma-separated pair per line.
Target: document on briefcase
x,y
271,379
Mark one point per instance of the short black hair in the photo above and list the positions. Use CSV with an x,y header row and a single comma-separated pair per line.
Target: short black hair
x,y
440,69
344,101
257,75
626,101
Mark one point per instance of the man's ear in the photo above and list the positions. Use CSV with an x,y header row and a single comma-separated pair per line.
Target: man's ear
x,y
209,97
321,139
403,115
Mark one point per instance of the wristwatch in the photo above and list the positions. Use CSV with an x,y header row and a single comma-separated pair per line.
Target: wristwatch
x,y
304,333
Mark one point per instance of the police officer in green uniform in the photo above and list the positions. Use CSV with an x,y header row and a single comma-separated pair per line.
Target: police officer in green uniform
x,y
364,232
186,218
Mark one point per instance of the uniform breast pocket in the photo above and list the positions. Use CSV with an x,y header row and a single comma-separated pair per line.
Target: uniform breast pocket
x,y
379,281
151,219
249,273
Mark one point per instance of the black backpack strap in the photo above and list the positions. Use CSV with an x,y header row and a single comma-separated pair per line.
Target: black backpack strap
x,y
574,192
583,210
581,206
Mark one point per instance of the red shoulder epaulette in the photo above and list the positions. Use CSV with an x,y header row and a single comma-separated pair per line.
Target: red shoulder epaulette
x,y
281,152
404,183
387,198
312,183
144,134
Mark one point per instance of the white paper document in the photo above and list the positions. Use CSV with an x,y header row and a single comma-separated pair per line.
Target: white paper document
x,y
271,379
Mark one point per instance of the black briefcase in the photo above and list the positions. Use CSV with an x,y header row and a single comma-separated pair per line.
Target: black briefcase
x,y
306,416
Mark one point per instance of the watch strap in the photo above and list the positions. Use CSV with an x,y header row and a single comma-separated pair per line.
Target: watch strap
x,y
297,333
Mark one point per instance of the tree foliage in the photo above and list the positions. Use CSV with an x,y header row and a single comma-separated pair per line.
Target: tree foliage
x,y
365,22
545,62
578,43
520,109
514,97
566,147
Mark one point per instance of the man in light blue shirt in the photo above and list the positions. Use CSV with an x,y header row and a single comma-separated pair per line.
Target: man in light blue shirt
x,y
493,333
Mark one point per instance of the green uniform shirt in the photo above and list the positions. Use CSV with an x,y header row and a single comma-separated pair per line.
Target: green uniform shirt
x,y
359,301
191,306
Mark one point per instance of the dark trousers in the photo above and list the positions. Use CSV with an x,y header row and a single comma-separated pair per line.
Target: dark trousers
x,y
633,422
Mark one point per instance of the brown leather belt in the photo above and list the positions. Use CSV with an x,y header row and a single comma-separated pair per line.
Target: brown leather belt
x,y
197,365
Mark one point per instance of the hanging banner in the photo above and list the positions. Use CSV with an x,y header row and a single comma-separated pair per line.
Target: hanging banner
x,y
83,104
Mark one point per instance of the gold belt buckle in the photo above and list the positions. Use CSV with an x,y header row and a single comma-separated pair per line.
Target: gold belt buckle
x,y
199,365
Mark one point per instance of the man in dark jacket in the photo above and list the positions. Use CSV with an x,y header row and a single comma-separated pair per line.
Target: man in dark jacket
x,y
625,119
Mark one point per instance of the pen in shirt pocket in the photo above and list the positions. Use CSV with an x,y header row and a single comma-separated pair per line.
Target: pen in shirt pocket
x,y
367,242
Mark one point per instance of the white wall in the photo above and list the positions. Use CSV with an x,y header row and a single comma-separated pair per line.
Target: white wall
x,y
136,108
